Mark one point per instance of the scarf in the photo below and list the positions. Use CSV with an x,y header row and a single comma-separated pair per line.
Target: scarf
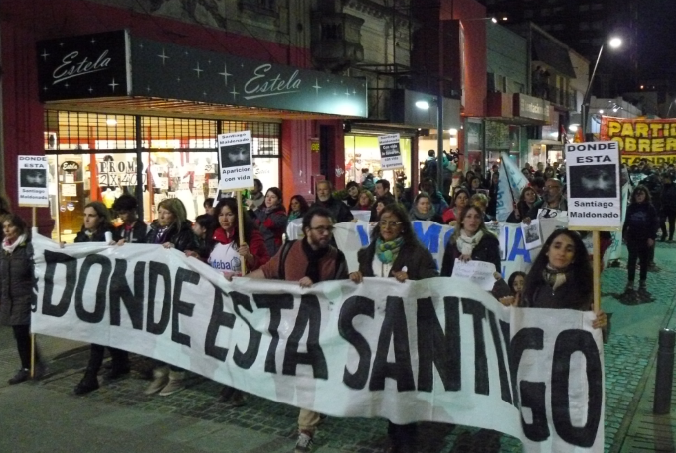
x,y
312,271
10,247
293,215
466,243
554,277
388,251
420,216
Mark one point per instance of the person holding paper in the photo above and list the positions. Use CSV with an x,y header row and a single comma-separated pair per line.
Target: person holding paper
x,y
471,240
562,276
395,251
552,198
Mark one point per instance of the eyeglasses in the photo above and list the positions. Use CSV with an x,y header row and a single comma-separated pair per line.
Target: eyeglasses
x,y
385,223
323,229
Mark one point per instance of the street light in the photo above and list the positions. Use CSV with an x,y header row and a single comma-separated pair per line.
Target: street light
x,y
614,43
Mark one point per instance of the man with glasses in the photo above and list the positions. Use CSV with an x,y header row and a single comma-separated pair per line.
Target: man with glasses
x,y
307,261
553,198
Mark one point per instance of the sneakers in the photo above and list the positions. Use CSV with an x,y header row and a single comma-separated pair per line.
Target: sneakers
x,y
175,384
160,380
88,384
304,443
21,376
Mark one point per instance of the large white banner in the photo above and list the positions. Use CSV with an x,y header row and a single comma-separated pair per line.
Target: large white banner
x,y
436,349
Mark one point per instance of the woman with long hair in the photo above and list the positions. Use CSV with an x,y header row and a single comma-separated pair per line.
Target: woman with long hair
x,y
270,219
561,276
460,202
639,232
366,200
96,224
16,291
395,252
526,201
423,210
471,240
298,206
226,254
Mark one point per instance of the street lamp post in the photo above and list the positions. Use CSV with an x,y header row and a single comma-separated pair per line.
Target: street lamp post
x,y
613,43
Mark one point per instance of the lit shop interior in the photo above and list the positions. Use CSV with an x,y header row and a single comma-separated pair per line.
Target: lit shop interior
x,y
94,157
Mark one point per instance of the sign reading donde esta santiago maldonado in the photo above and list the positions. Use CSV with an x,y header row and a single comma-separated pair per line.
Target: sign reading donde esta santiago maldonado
x,y
593,180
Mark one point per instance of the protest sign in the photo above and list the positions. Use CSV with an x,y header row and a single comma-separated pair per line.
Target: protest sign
x,y
435,349
234,153
390,152
33,173
593,174
637,138
478,272
531,234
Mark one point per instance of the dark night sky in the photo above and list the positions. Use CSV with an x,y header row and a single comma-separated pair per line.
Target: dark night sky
x,y
657,38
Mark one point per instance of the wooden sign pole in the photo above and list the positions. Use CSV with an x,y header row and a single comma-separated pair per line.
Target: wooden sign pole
x,y
240,228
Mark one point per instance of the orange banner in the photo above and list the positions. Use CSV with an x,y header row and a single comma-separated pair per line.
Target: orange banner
x,y
639,138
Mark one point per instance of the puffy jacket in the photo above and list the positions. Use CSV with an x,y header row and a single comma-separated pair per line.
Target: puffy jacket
x,y
271,223
183,238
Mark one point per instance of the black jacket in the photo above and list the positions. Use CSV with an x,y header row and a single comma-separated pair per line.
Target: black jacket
x,y
414,256
183,238
136,235
669,197
569,295
339,210
640,223
98,236
386,199
16,285
488,250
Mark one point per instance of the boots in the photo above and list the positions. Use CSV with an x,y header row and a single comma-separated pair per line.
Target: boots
x,y
176,383
88,384
160,380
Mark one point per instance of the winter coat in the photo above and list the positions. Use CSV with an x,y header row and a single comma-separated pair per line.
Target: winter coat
x,y
640,223
416,258
567,295
183,238
135,235
669,197
272,225
487,250
98,236
339,210
16,285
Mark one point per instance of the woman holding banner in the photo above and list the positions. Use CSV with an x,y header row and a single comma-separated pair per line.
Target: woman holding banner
x,y
173,231
16,290
271,220
471,240
95,228
562,276
423,210
395,251
226,254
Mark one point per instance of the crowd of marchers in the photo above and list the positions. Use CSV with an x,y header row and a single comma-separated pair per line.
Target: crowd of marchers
x,y
561,276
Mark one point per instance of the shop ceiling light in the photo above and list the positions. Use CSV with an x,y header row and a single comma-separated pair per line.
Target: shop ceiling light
x,y
111,122
423,105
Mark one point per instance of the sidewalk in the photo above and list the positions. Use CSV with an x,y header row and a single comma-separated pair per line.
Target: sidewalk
x,y
46,417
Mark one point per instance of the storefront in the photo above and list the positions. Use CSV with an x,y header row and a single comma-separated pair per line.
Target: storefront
x,y
129,115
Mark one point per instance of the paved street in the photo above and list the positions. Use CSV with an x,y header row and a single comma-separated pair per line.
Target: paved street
x,y
46,417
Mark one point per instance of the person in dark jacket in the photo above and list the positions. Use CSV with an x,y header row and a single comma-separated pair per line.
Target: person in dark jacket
x,y
471,240
396,252
526,201
352,198
133,230
270,219
553,197
171,230
668,206
16,291
639,232
5,209
562,277
436,198
95,226
297,208
383,197
339,210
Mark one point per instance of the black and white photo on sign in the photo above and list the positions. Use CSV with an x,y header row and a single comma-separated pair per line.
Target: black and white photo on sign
x,y
33,177
235,155
593,181
531,234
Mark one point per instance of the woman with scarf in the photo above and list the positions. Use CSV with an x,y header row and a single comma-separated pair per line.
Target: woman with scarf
x,y
226,254
172,230
16,291
460,202
396,252
270,219
562,277
95,226
297,208
423,210
471,240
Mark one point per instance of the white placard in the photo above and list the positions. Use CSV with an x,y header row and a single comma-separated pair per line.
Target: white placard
x,y
33,174
479,272
593,175
68,190
390,152
234,153
531,234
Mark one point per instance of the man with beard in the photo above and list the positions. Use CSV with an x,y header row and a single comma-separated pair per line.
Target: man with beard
x,y
552,198
307,261
340,212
